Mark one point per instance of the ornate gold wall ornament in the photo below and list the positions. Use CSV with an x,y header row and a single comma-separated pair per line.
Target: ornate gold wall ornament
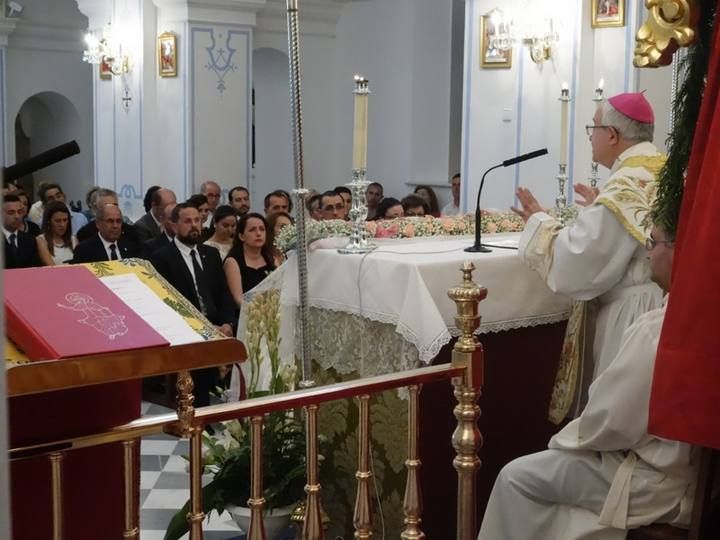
x,y
670,24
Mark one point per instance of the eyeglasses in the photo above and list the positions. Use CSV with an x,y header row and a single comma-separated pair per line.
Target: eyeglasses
x,y
650,243
339,206
589,129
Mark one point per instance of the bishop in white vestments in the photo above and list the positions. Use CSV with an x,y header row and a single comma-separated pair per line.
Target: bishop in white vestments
x,y
601,255
603,473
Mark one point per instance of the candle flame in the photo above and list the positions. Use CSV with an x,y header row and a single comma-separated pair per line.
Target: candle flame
x,y
601,83
565,86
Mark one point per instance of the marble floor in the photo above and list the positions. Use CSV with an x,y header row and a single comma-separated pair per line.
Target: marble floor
x,y
165,486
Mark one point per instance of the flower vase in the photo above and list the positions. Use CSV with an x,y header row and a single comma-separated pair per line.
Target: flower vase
x,y
277,520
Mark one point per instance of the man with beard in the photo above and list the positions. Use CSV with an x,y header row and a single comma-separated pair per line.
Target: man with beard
x,y
195,270
239,199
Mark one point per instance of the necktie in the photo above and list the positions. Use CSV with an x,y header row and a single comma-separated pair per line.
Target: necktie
x,y
13,244
199,281
113,252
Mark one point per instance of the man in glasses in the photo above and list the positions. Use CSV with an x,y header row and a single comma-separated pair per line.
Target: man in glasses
x,y
603,473
332,205
601,256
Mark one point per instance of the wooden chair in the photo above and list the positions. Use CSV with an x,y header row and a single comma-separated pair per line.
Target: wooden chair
x,y
701,517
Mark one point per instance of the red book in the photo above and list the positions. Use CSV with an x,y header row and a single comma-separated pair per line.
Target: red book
x,y
66,311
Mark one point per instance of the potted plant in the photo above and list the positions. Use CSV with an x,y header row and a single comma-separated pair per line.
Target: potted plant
x,y
227,452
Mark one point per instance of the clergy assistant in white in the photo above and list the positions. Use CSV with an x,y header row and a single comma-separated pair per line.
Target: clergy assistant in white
x,y
603,473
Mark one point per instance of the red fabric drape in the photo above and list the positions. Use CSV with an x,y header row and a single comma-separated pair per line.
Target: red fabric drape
x,y
686,385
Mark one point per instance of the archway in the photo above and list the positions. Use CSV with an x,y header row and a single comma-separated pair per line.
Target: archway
x,y
46,120
273,155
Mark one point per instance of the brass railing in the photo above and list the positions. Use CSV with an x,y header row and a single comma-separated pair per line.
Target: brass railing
x,y
465,371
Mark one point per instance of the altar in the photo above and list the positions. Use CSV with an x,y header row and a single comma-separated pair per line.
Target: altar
x,y
388,311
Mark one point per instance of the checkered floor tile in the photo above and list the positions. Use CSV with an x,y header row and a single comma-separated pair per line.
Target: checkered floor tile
x,y
165,486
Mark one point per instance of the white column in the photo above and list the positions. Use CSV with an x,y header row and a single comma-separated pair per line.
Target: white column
x,y
203,117
6,28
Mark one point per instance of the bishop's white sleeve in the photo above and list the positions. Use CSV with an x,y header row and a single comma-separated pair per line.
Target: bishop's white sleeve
x,y
616,415
585,259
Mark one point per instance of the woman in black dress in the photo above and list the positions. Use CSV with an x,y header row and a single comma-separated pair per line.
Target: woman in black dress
x,y
250,260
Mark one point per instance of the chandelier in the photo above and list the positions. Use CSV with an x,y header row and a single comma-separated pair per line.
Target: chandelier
x,y
106,50
529,27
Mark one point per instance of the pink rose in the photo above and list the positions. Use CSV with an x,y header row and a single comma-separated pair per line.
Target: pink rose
x,y
387,231
507,224
448,225
491,227
371,227
409,230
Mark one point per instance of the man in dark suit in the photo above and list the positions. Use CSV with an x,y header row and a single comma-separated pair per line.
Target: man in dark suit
x,y
166,236
20,247
108,244
150,225
100,198
195,270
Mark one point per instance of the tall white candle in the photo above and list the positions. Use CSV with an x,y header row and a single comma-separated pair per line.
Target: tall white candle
x,y
360,123
564,103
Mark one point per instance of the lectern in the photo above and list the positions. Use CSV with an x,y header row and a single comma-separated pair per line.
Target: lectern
x,y
61,399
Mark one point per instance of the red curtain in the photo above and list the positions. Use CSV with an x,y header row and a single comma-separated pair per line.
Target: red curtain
x,y
686,386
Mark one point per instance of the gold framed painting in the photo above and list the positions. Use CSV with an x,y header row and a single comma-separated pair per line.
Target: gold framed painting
x,y
608,13
167,55
491,58
104,70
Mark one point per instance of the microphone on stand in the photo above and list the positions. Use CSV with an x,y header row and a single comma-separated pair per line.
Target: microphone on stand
x,y
478,247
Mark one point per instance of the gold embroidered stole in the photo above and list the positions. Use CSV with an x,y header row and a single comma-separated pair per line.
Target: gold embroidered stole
x,y
629,197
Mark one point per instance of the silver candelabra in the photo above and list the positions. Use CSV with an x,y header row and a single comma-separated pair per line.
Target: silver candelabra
x,y
358,215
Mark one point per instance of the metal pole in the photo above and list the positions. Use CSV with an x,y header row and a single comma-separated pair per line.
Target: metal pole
x,y
299,191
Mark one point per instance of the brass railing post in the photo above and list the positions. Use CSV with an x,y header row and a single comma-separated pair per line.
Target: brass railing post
x,y
312,526
412,504
256,502
132,527
467,439
196,514
185,400
58,525
362,518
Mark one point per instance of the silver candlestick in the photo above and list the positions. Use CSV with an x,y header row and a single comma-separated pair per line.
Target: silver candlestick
x,y
594,175
358,215
561,199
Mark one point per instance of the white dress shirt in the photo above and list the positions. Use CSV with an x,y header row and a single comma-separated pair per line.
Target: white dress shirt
x,y
107,245
187,257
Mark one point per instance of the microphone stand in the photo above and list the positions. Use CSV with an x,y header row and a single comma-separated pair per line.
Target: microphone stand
x,y
478,247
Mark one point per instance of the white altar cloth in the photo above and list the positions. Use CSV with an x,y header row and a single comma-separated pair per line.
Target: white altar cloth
x,y
404,283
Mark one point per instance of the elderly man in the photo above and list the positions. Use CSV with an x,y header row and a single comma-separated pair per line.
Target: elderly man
x,y
212,191
150,225
601,255
167,234
604,473
108,244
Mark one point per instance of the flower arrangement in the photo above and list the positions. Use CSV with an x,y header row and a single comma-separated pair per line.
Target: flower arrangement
x,y
409,227
227,452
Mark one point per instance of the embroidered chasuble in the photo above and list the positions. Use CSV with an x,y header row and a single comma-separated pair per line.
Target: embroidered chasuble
x,y
686,392
600,262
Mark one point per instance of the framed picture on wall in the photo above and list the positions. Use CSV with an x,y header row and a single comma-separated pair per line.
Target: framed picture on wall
x,y
104,70
490,57
608,13
167,55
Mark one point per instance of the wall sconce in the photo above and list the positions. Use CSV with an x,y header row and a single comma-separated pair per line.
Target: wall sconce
x,y
106,50
530,28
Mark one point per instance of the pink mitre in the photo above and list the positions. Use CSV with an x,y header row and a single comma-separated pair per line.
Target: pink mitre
x,y
634,106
